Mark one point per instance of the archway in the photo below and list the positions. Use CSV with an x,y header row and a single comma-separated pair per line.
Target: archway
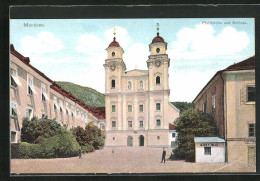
x,y
129,141
141,140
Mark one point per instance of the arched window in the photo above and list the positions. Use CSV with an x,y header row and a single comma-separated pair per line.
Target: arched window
x,y
129,85
113,83
141,84
158,80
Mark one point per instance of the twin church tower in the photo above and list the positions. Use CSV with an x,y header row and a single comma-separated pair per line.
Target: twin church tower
x,y
138,111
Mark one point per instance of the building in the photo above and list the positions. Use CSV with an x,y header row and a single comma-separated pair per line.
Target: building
x,y
172,136
34,94
209,149
230,97
138,111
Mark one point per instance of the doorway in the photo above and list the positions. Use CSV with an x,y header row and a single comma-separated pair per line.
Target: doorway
x,y
129,141
141,140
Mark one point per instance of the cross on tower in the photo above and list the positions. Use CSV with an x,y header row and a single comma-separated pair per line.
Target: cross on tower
x,y
114,33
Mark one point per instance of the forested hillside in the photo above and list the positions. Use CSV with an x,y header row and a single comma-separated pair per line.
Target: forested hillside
x,y
88,95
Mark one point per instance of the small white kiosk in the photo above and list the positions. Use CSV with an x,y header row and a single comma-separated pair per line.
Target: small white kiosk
x,y
209,149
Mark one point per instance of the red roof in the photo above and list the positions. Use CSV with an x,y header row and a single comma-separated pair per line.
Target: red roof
x,y
158,39
245,64
100,112
97,113
172,127
114,43
26,60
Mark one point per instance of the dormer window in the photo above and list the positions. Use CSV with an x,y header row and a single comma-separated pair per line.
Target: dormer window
x,y
158,80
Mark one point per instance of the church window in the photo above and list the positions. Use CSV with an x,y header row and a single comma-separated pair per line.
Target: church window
x,y
129,108
113,83
158,80
141,108
113,108
113,54
158,137
158,106
204,107
141,124
251,130
141,84
158,122
113,124
130,124
157,50
250,93
55,108
129,85
214,101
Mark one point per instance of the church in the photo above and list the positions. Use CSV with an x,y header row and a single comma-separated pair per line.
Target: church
x,y
138,111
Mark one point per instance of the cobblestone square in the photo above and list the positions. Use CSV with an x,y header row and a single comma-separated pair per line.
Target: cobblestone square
x,y
123,160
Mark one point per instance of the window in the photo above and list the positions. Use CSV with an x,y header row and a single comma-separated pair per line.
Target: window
x,y
55,108
67,112
141,124
30,85
113,138
158,106
113,124
158,137
129,108
141,108
130,124
173,135
113,108
13,82
204,107
13,136
158,80
158,122
251,130
157,50
44,116
250,93
214,101
113,83
129,85
207,150
141,84
29,113
43,94
72,115
14,109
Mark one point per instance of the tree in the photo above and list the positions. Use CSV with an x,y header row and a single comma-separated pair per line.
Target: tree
x,y
81,135
182,106
192,123
33,131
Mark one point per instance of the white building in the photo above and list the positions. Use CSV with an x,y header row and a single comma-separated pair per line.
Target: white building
x,y
172,136
209,149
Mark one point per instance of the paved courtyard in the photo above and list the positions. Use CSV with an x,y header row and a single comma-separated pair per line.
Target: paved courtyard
x,y
124,160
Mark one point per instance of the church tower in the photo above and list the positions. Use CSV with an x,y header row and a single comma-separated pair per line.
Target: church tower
x,y
158,64
114,69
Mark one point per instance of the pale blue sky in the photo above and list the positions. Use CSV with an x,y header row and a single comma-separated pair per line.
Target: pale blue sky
x,y
74,50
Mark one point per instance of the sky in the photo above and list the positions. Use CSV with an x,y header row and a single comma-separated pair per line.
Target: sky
x,y
73,50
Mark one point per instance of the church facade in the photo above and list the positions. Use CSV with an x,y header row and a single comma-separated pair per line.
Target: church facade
x,y
138,111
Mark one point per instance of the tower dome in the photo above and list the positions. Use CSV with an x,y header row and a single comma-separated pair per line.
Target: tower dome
x,y
114,43
158,39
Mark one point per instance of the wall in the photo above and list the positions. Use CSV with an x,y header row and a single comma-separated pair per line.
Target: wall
x,y
217,153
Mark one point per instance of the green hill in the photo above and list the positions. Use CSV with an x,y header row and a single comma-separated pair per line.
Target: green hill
x,y
182,106
88,95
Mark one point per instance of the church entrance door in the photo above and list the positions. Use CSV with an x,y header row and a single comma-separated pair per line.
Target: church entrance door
x,y
141,140
129,141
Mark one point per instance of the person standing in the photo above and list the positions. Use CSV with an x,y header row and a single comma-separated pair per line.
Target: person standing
x,y
163,155
80,154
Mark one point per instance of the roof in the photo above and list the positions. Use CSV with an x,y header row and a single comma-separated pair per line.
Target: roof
x,y
100,112
96,112
208,140
172,127
26,61
158,39
114,43
246,64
